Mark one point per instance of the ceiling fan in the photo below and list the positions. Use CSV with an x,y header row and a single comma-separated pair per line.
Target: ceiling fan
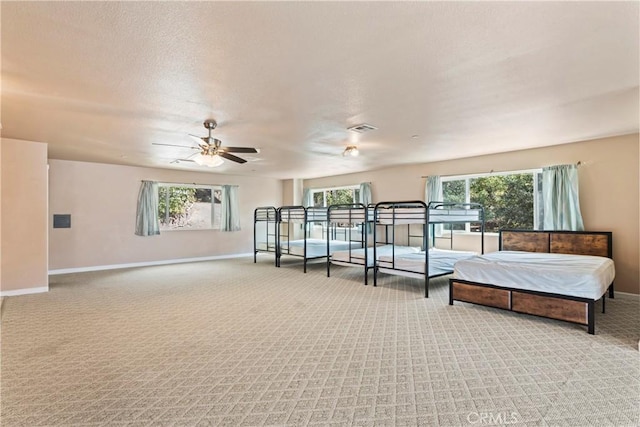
x,y
210,150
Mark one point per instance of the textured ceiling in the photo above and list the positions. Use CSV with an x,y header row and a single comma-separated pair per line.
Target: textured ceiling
x,y
102,81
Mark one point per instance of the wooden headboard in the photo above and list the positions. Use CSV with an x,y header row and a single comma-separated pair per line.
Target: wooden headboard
x,y
598,243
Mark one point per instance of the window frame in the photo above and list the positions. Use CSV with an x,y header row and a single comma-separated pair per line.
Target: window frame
x,y
537,193
212,187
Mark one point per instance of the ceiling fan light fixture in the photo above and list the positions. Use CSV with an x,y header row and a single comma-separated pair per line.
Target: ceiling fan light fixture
x,y
351,151
210,160
210,151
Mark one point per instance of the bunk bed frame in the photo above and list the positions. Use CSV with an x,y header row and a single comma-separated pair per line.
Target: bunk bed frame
x,y
543,304
427,216
288,216
356,215
267,217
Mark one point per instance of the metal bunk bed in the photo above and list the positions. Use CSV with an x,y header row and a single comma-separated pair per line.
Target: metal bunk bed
x,y
296,228
351,219
265,231
359,256
430,262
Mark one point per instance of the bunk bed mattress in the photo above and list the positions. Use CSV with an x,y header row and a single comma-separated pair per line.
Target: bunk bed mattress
x,y
317,247
298,215
356,256
400,216
583,276
317,214
350,216
455,215
441,261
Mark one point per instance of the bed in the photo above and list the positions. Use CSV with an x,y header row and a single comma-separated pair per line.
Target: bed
x,y
264,230
553,274
358,257
364,258
440,261
316,248
436,212
308,234
358,217
433,262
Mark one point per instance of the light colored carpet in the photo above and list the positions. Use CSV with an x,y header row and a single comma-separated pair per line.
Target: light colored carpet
x,y
236,343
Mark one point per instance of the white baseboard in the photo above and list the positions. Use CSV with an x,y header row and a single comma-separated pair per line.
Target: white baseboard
x,y
626,295
145,264
25,291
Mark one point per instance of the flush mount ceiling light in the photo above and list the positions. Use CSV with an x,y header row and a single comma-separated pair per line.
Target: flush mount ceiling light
x,y
351,150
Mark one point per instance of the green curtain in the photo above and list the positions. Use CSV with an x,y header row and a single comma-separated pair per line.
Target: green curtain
x,y
366,199
433,189
560,198
433,193
147,212
307,198
230,220
365,193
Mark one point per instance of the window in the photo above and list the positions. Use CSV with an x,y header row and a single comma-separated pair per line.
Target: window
x,y
510,200
189,207
336,196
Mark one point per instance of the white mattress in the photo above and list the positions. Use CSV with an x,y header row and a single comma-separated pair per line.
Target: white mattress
x,y
573,275
317,247
296,215
454,215
317,214
265,214
401,216
355,215
441,261
356,256
417,215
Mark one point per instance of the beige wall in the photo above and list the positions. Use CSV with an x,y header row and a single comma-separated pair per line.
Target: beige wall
x,y
288,192
102,202
609,188
0,212
24,216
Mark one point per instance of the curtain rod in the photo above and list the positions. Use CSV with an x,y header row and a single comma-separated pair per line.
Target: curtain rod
x,y
339,187
491,171
182,183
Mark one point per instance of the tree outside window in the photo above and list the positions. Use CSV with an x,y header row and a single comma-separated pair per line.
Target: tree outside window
x,y
336,196
509,201
189,207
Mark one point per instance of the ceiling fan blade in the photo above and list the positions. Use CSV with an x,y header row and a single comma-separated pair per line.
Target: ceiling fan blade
x,y
240,150
174,145
198,139
231,157
177,161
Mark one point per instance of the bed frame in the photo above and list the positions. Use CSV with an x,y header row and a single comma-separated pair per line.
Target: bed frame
x,y
555,306
293,218
265,233
433,213
356,215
